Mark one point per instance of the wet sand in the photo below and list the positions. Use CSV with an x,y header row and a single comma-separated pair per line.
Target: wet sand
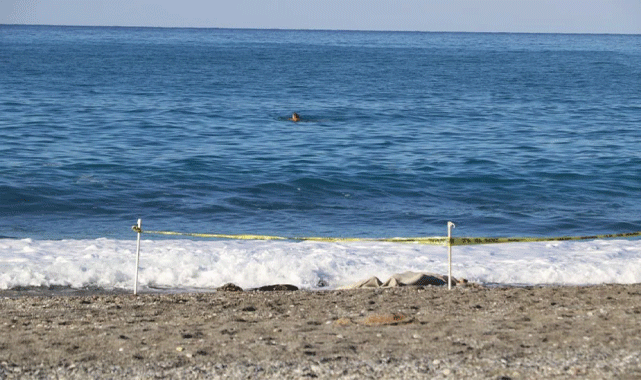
x,y
591,332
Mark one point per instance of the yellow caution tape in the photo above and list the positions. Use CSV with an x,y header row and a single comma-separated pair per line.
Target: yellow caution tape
x,y
216,236
433,240
482,240
437,240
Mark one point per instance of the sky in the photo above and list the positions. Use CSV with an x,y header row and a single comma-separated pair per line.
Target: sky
x,y
529,16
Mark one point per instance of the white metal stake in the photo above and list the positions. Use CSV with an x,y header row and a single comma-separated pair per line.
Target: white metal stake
x,y
450,225
137,257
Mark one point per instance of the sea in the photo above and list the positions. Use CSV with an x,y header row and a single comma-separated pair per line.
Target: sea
x,y
189,130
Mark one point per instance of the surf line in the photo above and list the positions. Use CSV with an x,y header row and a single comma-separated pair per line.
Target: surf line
x,y
448,240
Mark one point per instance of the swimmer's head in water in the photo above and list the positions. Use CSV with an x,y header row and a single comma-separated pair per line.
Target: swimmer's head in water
x,y
295,117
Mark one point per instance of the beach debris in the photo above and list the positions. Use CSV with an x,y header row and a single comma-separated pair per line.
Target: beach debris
x,y
385,319
375,320
229,287
342,321
277,288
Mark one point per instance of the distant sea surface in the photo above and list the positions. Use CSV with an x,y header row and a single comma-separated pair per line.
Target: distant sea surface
x,y
504,134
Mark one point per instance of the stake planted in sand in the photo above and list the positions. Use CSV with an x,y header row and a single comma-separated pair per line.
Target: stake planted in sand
x,y
450,225
137,256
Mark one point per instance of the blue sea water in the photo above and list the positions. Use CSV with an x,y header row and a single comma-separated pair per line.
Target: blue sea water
x,y
504,134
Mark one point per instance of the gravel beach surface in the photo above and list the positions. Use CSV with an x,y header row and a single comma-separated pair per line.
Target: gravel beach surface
x,y
471,332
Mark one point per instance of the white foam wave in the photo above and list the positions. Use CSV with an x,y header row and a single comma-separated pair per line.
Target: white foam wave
x,y
182,264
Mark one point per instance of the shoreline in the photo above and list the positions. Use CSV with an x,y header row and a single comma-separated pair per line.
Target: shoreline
x,y
592,332
70,291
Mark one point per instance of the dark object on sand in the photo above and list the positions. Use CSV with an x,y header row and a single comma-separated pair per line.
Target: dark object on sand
x,y
229,287
275,288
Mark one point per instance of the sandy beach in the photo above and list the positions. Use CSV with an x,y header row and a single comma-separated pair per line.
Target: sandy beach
x,y
472,332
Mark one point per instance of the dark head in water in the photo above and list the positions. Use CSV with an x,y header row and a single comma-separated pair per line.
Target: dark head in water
x,y
295,117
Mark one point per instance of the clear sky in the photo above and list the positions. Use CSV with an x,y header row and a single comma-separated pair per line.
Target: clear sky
x,y
540,16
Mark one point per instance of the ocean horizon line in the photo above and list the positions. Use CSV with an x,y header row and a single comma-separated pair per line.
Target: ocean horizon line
x,y
324,30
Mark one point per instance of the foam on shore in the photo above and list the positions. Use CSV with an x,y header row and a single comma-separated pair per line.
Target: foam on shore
x,y
193,264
